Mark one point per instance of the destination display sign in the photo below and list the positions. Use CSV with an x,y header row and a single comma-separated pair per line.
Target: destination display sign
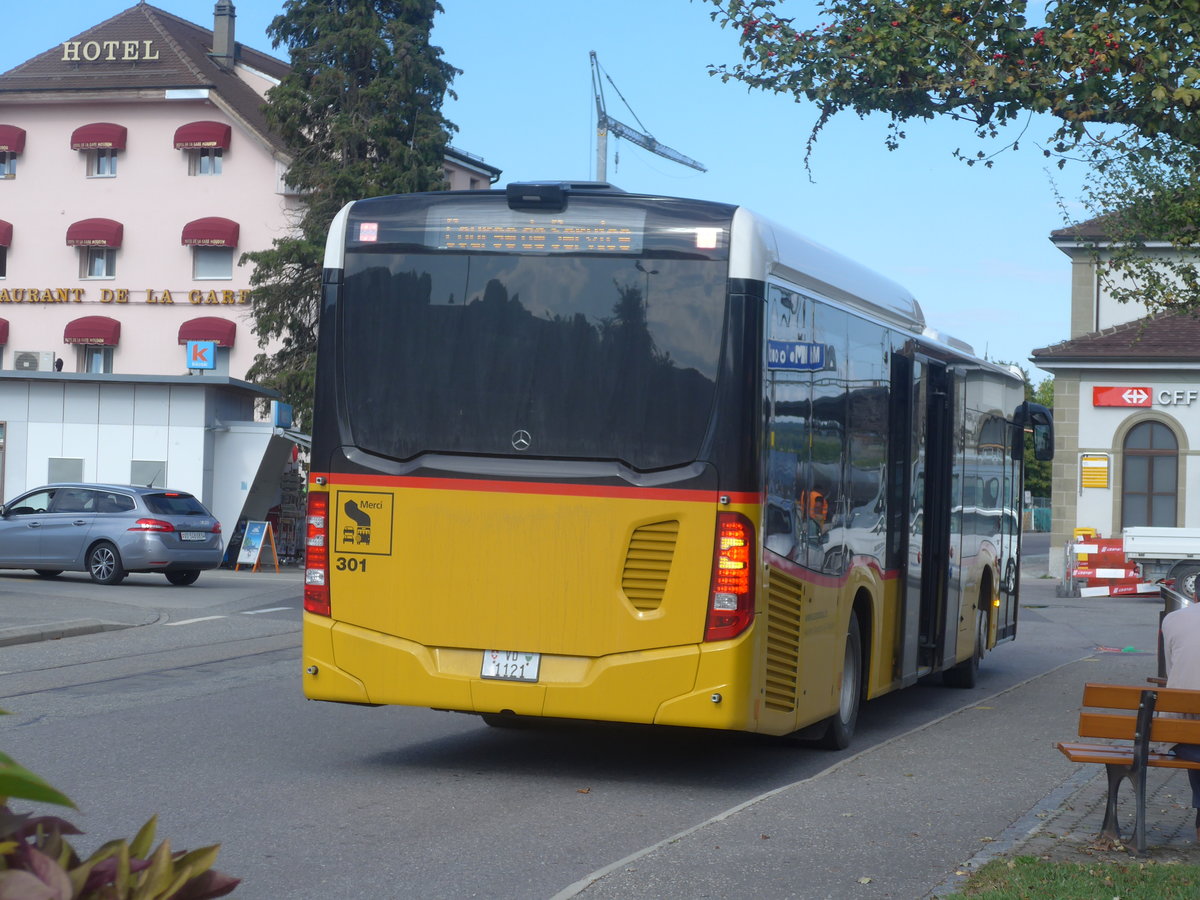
x,y
583,228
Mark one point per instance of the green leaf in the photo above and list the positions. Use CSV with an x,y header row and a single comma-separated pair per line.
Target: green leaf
x,y
140,847
17,781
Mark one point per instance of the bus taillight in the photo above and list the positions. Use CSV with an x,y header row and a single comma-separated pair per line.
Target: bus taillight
x,y
316,555
731,601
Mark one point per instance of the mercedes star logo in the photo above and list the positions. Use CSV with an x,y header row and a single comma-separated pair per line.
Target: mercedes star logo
x,y
521,439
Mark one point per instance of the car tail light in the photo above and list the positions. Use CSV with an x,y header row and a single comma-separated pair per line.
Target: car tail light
x,y
151,525
731,601
216,529
316,555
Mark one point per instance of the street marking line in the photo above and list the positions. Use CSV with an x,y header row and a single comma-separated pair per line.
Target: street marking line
x,y
255,612
192,621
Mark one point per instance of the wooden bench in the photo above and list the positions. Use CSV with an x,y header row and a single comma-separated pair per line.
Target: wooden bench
x,y
1118,712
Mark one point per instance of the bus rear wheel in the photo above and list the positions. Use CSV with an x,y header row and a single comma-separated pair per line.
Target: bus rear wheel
x,y
966,673
839,728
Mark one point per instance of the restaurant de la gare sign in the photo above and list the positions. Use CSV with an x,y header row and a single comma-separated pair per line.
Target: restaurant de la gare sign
x,y
123,295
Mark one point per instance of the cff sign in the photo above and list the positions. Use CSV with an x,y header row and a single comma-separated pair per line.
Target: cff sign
x,y
201,354
1121,396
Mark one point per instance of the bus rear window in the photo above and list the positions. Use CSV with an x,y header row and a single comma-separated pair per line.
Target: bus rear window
x,y
578,357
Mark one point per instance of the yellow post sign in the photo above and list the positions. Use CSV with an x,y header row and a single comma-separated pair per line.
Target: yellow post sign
x,y
363,523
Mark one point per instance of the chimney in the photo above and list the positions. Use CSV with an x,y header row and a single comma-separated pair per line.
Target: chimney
x,y
224,49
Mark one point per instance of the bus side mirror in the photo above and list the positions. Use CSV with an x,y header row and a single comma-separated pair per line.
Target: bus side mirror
x,y
1039,420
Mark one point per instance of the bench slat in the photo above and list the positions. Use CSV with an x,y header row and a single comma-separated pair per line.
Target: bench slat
x,y
1175,700
1106,754
1112,696
1117,726
1175,731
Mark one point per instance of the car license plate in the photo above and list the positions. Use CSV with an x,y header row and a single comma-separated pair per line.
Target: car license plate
x,y
193,535
510,665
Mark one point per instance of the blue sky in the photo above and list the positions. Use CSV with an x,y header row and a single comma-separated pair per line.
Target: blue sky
x,y
970,243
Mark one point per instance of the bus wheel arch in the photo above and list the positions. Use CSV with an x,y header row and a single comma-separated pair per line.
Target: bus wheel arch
x,y
839,728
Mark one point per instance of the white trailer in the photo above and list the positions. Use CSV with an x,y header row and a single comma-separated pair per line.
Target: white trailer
x,y
1166,553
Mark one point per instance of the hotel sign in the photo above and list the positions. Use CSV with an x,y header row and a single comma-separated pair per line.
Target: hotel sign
x,y
109,51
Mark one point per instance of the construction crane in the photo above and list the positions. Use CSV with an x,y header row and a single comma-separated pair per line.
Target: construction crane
x,y
606,123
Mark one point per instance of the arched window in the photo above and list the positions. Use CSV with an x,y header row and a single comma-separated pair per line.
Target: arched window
x,y
1149,483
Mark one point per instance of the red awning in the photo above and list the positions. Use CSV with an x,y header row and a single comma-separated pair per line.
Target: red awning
x,y
5,233
12,139
211,232
208,328
93,330
98,136
202,135
3,332
95,233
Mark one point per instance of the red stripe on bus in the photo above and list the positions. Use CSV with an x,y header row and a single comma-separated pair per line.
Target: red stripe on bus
x,y
536,487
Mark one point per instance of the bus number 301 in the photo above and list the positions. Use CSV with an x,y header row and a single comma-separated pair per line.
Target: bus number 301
x,y
350,564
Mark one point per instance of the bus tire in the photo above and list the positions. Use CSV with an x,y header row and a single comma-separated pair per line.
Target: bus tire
x,y
839,728
966,674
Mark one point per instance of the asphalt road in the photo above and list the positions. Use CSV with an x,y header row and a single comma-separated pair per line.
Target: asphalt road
x,y
198,716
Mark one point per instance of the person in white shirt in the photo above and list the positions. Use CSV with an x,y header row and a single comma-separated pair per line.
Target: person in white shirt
x,y
1181,650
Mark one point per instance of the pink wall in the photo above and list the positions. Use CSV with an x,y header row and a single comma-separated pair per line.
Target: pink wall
x,y
154,197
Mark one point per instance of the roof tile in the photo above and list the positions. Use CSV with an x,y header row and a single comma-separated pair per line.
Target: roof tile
x,y
1171,336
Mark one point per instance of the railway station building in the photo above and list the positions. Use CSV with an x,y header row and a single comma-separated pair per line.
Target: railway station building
x,y
1126,407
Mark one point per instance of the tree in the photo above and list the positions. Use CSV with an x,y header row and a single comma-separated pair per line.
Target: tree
x,y
1038,472
360,114
1120,77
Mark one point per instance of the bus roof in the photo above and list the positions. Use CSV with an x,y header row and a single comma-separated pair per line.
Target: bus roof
x,y
773,248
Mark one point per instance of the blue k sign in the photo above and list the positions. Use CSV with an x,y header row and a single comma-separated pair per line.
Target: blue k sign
x,y
201,354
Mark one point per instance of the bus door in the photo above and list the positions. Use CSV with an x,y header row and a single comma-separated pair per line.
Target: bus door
x,y
928,396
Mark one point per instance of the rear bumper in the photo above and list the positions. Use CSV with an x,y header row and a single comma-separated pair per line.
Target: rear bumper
x,y
665,686
154,553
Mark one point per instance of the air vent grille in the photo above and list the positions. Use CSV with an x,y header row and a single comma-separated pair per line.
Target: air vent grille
x,y
648,564
785,599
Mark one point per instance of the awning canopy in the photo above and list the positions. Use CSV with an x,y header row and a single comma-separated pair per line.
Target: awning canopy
x,y
98,136
95,233
3,332
202,135
12,139
5,233
99,330
211,232
208,328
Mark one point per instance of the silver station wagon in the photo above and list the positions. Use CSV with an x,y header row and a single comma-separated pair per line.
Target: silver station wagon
x,y
109,530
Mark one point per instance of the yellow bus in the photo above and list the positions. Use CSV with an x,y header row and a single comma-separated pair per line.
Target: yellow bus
x,y
585,454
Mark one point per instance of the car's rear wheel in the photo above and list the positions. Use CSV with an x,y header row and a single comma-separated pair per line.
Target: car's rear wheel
x,y
104,564
48,573
183,577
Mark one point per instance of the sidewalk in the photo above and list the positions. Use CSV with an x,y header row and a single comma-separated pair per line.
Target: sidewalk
x,y
1069,832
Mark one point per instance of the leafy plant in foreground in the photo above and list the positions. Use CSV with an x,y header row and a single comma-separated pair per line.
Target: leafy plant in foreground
x,y
37,862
